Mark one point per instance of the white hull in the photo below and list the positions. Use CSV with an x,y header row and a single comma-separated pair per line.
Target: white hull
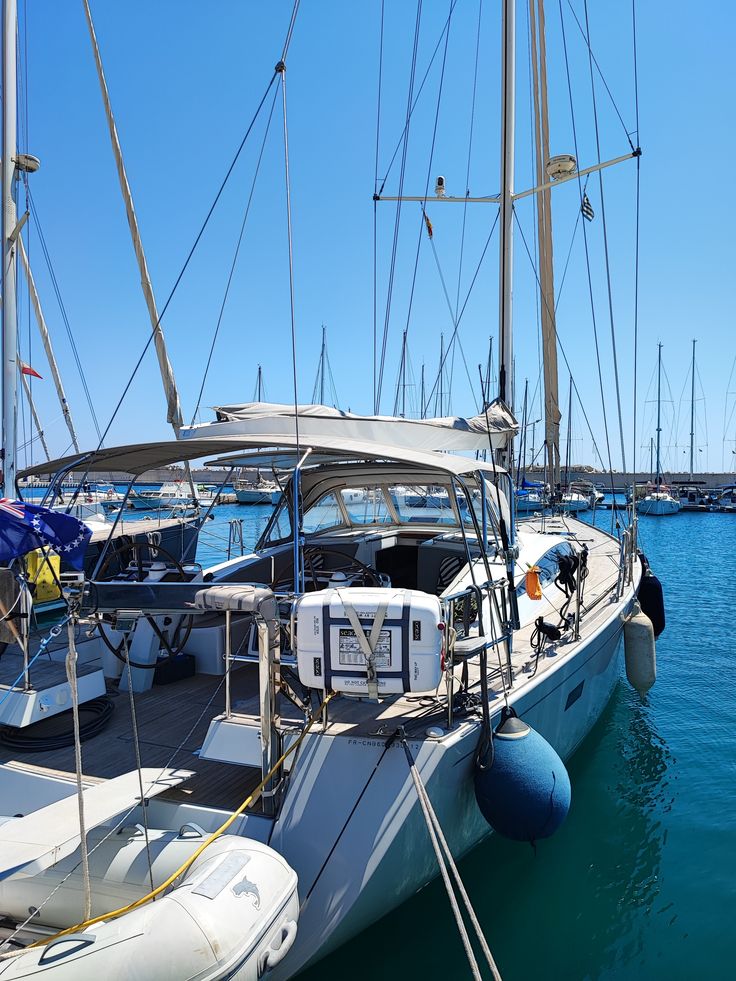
x,y
255,496
573,503
658,506
526,504
358,858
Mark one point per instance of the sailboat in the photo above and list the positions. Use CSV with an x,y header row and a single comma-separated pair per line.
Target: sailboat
x,y
374,690
658,501
259,490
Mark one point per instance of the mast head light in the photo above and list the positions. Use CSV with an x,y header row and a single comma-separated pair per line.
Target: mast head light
x,y
439,187
27,162
563,165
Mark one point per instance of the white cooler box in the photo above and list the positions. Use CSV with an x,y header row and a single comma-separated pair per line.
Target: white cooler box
x,y
408,655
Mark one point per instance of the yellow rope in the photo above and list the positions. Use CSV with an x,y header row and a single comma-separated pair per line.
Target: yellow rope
x,y
195,855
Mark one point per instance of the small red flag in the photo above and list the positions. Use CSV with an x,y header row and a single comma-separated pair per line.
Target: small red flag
x,y
430,230
27,370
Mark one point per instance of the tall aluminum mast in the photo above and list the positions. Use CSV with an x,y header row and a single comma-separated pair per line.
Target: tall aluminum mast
x,y
9,234
508,100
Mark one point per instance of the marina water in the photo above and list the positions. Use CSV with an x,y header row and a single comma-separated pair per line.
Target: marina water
x,y
640,882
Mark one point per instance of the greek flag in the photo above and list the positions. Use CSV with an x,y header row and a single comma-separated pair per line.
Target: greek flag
x,y
587,208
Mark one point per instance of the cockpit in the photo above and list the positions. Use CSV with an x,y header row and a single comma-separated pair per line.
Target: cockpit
x,y
375,525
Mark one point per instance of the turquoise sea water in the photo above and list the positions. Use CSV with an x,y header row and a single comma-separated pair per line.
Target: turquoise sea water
x,y
640,882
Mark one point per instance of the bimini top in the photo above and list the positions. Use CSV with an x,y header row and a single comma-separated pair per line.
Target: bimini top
x,y
491,429
246,450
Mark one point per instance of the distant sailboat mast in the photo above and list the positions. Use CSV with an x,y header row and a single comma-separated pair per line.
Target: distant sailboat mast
x,y
658,479
258,393
692,416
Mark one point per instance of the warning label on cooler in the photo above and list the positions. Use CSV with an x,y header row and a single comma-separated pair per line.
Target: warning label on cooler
x,y
350,651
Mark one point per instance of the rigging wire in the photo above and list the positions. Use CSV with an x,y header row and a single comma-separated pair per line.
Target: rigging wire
x,y
188,259
562,349
587,253
465,303
235,256
470,152
605,244
281,68
416,98
455,336
64,315
375,201
397,218
600,72
423,218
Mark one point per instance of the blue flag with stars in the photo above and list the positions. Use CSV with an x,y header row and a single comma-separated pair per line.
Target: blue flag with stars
x,y
25,527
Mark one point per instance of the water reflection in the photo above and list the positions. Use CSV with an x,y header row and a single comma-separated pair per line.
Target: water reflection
x,y
584,897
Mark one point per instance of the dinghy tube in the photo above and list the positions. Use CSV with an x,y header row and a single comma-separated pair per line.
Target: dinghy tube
x,y
233,915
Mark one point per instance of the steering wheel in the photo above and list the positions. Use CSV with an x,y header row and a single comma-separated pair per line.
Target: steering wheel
x,y
133,554
350,565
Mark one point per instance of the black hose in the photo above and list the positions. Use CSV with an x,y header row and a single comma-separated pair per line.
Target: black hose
x,y
57,732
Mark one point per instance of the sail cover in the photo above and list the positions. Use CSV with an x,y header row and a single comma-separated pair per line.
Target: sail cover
x,y
491,429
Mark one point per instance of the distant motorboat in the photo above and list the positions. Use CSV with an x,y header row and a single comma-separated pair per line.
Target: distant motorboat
x,y
574,502
658,503
588,490
172,494
727,499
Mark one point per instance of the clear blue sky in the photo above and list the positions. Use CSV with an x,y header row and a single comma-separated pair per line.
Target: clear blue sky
x,y
185,79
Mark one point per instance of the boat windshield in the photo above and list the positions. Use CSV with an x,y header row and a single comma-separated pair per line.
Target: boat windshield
x,y
381,504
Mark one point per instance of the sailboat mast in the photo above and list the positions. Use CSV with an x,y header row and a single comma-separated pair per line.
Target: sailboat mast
x,y
521,471
9,222
259,385
421,395
173,405
659,410
489,369
322,367
544,235
692,416
569,437
46,340
442,359
403,379
508,100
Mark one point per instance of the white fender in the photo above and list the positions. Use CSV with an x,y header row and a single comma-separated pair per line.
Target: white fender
x,y
640,652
